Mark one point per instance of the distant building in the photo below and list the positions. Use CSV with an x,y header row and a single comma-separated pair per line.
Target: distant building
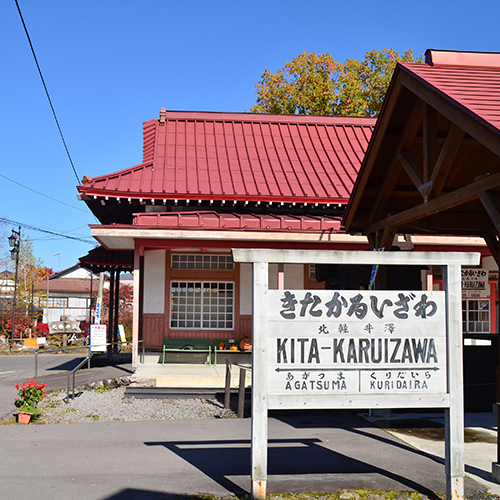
x,y
68,294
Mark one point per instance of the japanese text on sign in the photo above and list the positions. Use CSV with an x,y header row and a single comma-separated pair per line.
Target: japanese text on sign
x,y
357,341
474,282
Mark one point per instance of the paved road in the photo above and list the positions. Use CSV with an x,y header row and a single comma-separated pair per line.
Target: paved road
x,y
53,370
160,459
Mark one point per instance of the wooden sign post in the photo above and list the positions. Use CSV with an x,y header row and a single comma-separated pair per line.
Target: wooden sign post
x,y
357,349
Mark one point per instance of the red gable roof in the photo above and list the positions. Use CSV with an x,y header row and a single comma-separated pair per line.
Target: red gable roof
x,y
470,79
463,89
243,156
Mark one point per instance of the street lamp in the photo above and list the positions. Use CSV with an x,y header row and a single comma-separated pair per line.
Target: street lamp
x,y
14,242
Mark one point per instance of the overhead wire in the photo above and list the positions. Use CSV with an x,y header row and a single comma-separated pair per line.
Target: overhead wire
x,y
42,194
52,238
47,231
47,92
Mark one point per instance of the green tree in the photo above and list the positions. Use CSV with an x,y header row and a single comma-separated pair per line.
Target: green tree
x,y
316,84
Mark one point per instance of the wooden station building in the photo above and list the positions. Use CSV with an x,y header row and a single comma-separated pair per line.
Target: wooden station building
x,y
210,182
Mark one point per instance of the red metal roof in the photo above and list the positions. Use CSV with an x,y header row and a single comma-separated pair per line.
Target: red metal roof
x,y
237,222
102,259
472,81
243,156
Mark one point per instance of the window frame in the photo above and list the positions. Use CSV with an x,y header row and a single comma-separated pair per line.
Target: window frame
x,y
224,305
201,262
467,312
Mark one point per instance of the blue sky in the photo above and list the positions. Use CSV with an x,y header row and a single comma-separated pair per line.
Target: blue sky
x,y
110,65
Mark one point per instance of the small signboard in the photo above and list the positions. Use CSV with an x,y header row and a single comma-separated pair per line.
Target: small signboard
x,y
98,311
121,333
98,338
475,282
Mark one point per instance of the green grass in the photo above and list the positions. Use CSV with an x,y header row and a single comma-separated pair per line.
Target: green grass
x,y
102,388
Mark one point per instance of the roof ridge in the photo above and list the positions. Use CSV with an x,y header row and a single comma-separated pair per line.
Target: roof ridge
x,y
232,116
462,59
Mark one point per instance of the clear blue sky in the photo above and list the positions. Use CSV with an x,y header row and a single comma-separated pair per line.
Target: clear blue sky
x,y
110,65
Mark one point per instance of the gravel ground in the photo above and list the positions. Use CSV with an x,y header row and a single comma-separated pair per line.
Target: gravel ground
x,y
111,405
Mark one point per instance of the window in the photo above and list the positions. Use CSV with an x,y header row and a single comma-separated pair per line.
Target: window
x,y
202,305
475,316
54,302
202,261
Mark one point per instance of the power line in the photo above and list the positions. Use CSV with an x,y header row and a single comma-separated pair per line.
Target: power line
x,y
54,238
41,194
61,235
47,93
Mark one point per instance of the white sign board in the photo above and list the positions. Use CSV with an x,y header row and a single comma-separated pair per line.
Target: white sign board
x,y
357,349
353,342
98,338
475,282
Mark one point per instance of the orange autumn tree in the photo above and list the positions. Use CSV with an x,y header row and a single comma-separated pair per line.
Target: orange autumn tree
x,y
31,270
316,84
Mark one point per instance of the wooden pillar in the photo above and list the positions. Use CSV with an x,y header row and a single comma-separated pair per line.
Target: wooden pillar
x,y
259,382
117,307
111,310
135,308
454,415
281,276
429,279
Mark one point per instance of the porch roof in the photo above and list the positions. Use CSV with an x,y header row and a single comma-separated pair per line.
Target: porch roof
x,y
100,259
433,165
209,229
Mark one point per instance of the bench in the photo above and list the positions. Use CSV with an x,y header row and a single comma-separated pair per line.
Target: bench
x,y
187,346
224,345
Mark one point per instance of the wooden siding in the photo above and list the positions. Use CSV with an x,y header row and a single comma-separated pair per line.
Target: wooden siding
x,y
153,327
245,326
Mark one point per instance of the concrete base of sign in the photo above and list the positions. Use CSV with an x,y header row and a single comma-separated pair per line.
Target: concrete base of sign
x,y
495,472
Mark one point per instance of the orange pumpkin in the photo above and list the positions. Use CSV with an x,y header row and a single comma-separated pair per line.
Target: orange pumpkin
x,y
246,344
233,348
222,346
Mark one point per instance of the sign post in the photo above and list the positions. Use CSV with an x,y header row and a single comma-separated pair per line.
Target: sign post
x,y
357,349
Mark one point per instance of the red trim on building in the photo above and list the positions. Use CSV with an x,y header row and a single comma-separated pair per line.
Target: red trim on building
x,y
208,220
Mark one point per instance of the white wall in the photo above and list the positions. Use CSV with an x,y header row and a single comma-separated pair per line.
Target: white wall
x,y
80,302
55,313
154,281
294,280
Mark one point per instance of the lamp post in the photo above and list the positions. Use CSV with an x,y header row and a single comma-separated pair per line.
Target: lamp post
x,y
14,242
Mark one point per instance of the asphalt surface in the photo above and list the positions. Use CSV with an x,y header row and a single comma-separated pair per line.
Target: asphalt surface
x,y
308,451
153,460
